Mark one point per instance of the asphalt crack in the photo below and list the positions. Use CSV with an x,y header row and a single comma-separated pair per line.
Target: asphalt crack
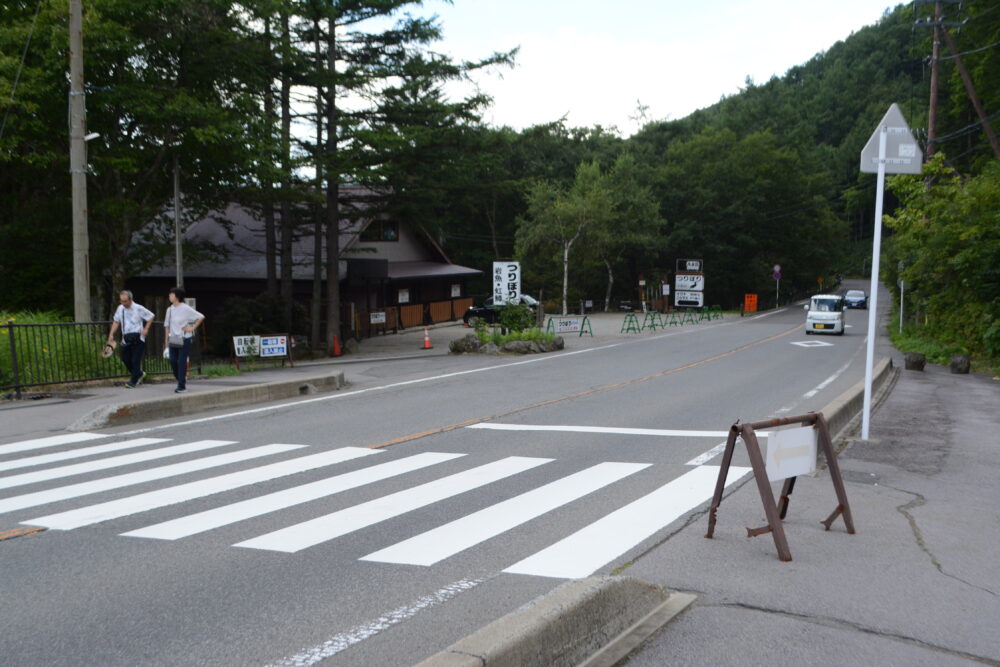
x,y
840,623
918,501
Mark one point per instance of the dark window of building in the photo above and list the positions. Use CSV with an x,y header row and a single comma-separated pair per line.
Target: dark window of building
x,y
381,230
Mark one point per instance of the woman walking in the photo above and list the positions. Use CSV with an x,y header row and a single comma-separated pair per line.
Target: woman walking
x,y
180,322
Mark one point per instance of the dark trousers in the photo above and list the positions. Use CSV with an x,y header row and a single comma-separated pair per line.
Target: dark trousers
x,y
132,354
179,361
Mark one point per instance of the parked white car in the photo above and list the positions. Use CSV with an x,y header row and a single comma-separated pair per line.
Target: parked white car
x,y
825,314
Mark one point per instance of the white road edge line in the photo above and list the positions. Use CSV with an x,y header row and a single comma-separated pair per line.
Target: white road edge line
x,y
345,640
600,429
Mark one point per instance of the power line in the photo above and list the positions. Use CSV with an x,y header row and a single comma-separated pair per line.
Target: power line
x,y
965,53
17,77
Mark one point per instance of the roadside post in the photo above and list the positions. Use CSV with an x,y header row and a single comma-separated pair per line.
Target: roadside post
x,y
890,150
777,283
790,453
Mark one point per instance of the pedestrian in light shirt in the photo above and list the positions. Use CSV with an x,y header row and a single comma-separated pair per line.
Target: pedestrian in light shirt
x,y
134,320
180,322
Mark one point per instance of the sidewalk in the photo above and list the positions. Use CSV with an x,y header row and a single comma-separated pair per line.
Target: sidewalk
x,y
916,585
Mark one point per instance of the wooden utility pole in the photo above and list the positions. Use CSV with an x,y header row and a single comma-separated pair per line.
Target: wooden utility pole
x,y
935,67
178,237
970,89
78,166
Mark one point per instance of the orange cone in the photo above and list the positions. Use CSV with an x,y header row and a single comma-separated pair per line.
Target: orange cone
x,y
336,346
427,341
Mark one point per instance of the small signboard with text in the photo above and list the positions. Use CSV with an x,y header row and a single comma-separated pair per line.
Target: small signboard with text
x,y
506,283
267,346
689,299
790,452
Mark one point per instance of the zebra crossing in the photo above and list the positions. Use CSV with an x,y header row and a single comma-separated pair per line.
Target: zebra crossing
x,y
575,555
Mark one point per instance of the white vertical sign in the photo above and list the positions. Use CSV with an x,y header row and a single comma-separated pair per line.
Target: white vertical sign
x,y
506,282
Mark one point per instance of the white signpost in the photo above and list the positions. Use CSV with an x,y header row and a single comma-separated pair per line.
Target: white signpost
x,y
694,282
890,150
790,452
506,283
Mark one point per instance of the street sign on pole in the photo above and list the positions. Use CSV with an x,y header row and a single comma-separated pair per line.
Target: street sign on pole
x,y
890,150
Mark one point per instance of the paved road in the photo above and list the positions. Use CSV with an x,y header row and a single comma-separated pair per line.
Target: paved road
x,y
377,525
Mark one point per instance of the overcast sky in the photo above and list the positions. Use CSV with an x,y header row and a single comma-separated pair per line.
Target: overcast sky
x,y
595,61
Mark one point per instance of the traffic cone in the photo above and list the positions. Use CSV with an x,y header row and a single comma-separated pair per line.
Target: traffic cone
x,y
427,341
336,346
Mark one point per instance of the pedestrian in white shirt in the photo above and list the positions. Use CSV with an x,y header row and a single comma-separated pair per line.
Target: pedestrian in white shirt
x,y
180,322
134,320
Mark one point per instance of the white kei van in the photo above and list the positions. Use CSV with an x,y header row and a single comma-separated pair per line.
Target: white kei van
x,y
825,314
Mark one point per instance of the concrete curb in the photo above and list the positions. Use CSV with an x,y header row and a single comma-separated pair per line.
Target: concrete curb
x,y
597,620
844,412
187,404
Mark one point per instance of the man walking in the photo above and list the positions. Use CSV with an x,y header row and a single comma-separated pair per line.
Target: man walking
x,y
134,321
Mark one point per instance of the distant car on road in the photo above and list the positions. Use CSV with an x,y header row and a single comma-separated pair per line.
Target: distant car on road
x,y
856,298
826,314
491,313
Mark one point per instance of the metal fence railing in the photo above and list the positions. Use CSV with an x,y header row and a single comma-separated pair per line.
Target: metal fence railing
x,y
34,355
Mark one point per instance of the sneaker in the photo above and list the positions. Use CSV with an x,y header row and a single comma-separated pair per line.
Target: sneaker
x,y
129,385
179,390
141,378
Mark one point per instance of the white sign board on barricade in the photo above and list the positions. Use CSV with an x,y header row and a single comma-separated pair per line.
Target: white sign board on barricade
x,y
570,325
246,346
790,452
274,346
506,283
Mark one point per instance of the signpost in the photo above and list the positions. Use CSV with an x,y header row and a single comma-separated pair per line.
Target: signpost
x,y
268,346
506,283
777,283
890,150
689,284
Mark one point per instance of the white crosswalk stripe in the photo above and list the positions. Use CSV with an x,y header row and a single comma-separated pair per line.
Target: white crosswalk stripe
x,y
577,555
112,462
50,441
44,459
128,479
580,554
272,502
436,545
310,533
144,502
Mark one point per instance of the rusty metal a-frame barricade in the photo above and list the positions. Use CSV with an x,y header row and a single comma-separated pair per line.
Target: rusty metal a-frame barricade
x,y
776,512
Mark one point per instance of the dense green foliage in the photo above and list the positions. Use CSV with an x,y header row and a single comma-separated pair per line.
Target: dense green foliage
x,y
766,176
947,241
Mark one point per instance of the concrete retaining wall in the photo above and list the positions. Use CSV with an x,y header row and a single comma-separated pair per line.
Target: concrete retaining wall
x,y
844,412
192,403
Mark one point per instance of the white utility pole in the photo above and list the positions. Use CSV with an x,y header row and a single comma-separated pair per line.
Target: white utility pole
x,y
78,166
873,285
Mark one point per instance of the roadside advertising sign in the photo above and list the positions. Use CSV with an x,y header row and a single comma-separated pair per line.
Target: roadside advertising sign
x,y
692,282
377,318
689,299
506,282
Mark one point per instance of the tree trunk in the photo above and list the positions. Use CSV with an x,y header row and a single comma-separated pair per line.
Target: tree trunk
x,y
270,241
316,306
287,224
332,196
611,281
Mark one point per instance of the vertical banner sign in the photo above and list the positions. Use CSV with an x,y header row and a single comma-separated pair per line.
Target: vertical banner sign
x,y
506,282
890,150
689,284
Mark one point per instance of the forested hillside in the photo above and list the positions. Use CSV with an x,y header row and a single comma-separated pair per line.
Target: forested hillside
x,y
766,176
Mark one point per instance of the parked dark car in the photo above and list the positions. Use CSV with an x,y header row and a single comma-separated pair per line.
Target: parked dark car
x,y
490,313
855,298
